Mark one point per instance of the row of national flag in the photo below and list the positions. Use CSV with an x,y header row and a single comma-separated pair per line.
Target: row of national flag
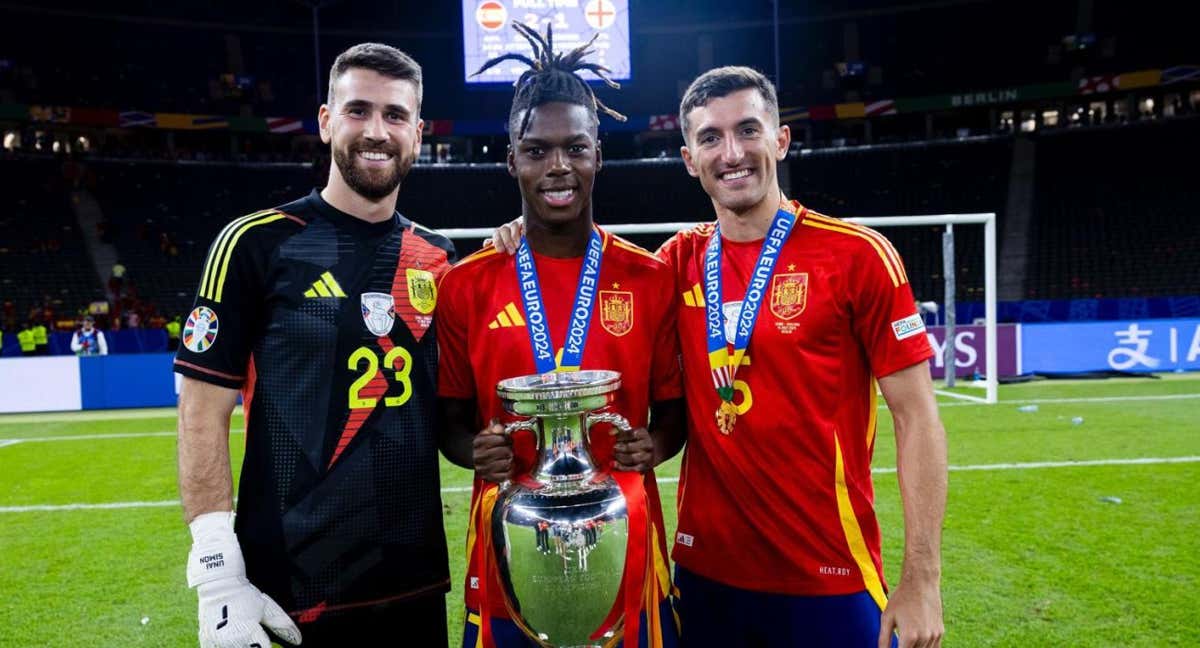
x,y
668,122
170,121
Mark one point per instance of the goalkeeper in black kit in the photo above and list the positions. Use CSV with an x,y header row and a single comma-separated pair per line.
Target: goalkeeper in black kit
x,y
320,313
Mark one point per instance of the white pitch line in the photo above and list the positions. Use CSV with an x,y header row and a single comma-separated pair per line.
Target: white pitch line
x,y
88,437
87,507
662,480
1081,399
1063,464
91,415
1091,399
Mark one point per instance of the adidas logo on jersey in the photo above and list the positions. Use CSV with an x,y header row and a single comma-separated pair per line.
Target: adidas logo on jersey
x,y
507,317
694,297
325,286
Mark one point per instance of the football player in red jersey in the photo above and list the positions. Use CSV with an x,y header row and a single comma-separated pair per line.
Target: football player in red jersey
x,y
790,320
486,333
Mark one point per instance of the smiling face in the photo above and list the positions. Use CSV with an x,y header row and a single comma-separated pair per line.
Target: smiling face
x,y
555,163
374,131
733,145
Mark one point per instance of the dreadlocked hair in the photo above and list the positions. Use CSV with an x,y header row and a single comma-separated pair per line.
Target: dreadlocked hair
x,y
553,77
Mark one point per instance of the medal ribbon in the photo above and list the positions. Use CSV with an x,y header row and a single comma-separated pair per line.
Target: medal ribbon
x,y
581,312
724,365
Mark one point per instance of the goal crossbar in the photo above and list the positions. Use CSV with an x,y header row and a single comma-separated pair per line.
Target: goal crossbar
x,y
988,220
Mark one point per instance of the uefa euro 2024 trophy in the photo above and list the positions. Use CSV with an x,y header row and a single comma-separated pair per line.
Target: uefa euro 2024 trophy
x,y
560,531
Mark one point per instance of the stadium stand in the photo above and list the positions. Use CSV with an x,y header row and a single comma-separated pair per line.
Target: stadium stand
x,y
43,260
162,217
1111,211
898,181
1115,214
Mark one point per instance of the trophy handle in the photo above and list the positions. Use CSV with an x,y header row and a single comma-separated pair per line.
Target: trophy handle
x,y
517,426
616,420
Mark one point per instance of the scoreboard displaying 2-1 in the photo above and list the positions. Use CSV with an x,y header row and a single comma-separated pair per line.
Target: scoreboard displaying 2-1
x,y
488,33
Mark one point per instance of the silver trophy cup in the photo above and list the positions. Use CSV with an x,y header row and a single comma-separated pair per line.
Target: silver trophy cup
x,y
560,532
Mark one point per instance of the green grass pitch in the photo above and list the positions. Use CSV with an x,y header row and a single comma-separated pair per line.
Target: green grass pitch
x,y
1036,553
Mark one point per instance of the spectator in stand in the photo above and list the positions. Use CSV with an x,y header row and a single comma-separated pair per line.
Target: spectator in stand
x,y
41,338
116,281
25,339
47,308
89,340
173,334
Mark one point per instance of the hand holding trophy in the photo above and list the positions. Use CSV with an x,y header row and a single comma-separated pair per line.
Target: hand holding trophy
x,y
560,532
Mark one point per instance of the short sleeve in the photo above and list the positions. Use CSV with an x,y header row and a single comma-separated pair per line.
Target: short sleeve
x,y
886,322
666,375
225,321
456,379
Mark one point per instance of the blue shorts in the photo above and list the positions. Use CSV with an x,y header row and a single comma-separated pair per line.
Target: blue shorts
x,y
717,615
508,635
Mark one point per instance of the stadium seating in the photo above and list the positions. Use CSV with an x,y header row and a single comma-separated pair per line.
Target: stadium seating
x,y
42,252
893,181
1115,214
1111,208
188,204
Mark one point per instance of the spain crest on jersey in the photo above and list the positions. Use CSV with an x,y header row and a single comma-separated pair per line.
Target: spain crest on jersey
x,y
616,311
789,294
379,312
422,290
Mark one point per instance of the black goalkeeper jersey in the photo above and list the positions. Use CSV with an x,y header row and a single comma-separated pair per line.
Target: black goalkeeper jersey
x,y
325,322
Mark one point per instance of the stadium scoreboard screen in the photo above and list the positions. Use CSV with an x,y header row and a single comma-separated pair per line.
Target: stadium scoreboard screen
x,y
487,33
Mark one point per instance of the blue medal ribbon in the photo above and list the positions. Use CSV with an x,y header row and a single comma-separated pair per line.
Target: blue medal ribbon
x,y
581,312
724,365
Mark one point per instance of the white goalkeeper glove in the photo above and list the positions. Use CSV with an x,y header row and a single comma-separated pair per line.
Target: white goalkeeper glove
x,y
232,611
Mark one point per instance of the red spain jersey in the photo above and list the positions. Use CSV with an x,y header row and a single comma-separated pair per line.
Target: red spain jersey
x,y
790,487
483,339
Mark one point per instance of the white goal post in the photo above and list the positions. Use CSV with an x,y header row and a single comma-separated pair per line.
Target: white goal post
x,y
991,382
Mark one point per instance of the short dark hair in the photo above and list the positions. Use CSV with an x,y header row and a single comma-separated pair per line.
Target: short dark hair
x,y
384,59
552,78
724,81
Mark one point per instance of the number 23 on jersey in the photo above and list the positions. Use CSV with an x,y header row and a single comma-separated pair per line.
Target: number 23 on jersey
x,y
398,361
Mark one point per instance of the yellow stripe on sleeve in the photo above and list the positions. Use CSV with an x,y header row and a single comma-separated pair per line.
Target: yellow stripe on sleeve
x,y
478,255
227,254
896,281
884,243
210,265
630,247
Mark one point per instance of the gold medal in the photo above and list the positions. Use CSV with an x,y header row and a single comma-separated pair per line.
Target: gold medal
x,y
726,417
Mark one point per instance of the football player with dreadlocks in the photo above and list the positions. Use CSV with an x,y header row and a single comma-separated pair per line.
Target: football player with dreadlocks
x,y
554,154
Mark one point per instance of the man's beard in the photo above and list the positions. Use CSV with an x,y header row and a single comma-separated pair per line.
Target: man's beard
x,y
372,186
